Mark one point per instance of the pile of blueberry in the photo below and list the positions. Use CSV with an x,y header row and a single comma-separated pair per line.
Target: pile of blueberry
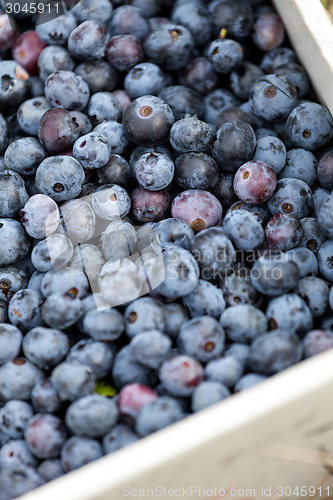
x,y
166,221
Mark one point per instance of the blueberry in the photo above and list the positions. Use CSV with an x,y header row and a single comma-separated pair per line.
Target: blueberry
x,y
120,436
275,351
88,40
301,164
73,380
243,323
24,309
144,314
276,58
65,89
180,375
289,312
175,317
310,126
182,101
14,416
78,220
297,75
19,480
150,348
119,282
147,121
88,9
68,280
199,75
324,216
249,380
305,260
314,291
105,326
170,232
216,101
271,150
264,132
14,194
56,30
91,416
319,195
214,253
202,338
223,189
238,351
181,273
97,355
237,289
272,274
127,371
45,347
325,260
128,19
316,342
234,16
206,299
3,311
45,398
226,370
244,229
54,58
114,133
104,106
15,453
208,393
12,279
24,155
154,171
118,240
312,237
145,78
292,196
45,435
14,85
40,216
98,74
325,168
283,231
92,151
111,202
61,311
50,469
191,134
60,177
123,52
17,379
273,97
90,260
117,170
225,55
79,451
243,77
195,17
158,414
10,342
234,144
52,253
169,45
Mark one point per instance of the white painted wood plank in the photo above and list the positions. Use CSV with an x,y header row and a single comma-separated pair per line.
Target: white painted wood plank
x,y
276,434
311,33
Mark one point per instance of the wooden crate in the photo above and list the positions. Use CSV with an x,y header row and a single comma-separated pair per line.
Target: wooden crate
x,y
272,441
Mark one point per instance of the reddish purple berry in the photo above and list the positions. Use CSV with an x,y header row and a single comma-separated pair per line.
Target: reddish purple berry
x,y
199,208
132,398
26,51
255,182
45,435
180,375
58,130
150,206
283,231
268,32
